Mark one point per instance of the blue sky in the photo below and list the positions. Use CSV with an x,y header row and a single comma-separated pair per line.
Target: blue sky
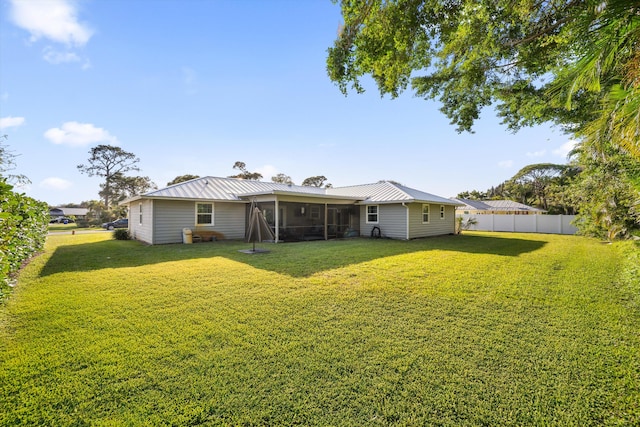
x,y
192,86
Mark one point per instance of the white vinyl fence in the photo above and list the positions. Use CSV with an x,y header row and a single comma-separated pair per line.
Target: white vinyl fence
x,y
549,224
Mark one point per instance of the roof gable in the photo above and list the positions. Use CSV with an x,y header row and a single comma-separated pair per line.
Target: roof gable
x,y
389,192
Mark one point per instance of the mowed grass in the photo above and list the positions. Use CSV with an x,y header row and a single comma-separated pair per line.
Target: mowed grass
x,y
479,329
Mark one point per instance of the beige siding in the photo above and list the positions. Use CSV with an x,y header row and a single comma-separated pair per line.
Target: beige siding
x,y
230,219
392,221
142,231
172,216
436,225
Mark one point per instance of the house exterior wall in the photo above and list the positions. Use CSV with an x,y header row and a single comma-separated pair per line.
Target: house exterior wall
x,y
230,219
392,221
142,231
436,227
171,216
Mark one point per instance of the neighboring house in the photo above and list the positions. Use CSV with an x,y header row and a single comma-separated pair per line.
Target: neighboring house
x,y
219,207
78,213
497,207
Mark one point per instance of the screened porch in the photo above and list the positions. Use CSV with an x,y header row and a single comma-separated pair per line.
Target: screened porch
x,y
311,221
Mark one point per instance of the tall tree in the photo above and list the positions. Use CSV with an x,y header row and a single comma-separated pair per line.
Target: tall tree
x,y
182,178
575,63
108,161
244,173
315,181
572,62
282,179
8,163
122,187
608,193
539,177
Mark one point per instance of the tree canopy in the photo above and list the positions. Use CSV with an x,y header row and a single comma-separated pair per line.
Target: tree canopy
x,y
282,179
575,63
122,187
244,173
8,163
182,178
108,161
315,181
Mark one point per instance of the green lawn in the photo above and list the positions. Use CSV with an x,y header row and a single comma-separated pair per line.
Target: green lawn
x,y
479,329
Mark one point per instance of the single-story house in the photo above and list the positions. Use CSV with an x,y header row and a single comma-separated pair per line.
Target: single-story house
x,y
78,213
219,207
497,207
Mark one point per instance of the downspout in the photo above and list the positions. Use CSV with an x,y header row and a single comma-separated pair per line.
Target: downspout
x,y
277,219
326,220
407,227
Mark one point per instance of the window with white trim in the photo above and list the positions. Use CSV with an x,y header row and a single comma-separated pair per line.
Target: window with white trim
x,y
140,213
425,214
204,213
372,214
441,211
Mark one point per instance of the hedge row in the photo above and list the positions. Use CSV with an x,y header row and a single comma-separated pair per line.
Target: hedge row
x,y
23,230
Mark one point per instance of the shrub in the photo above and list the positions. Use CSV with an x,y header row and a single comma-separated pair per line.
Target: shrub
x,y
121,234
23,230
461,224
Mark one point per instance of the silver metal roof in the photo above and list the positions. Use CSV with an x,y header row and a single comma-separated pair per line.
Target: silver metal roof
x,y
388,192
233,189
71,211
228,189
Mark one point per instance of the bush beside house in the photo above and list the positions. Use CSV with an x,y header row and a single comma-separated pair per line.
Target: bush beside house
x,y
23,231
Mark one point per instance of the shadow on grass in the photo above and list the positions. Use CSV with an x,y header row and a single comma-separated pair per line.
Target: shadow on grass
x,y
293,259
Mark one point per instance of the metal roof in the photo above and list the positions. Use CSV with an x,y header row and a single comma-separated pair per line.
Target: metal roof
x,y
70,211
388,192
228,189
233,189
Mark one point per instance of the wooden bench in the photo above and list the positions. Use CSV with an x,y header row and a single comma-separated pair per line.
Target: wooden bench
x,y
206,236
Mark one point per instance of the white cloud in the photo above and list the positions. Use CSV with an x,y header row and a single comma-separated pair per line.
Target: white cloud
x,y
55,20
505,164
58,57
536,153
564,149
267,171
11,122
79,134
54,183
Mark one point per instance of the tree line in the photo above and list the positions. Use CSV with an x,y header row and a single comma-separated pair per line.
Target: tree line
x,y
244,173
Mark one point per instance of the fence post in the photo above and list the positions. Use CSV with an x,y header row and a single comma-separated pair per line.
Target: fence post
x,y
561,225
